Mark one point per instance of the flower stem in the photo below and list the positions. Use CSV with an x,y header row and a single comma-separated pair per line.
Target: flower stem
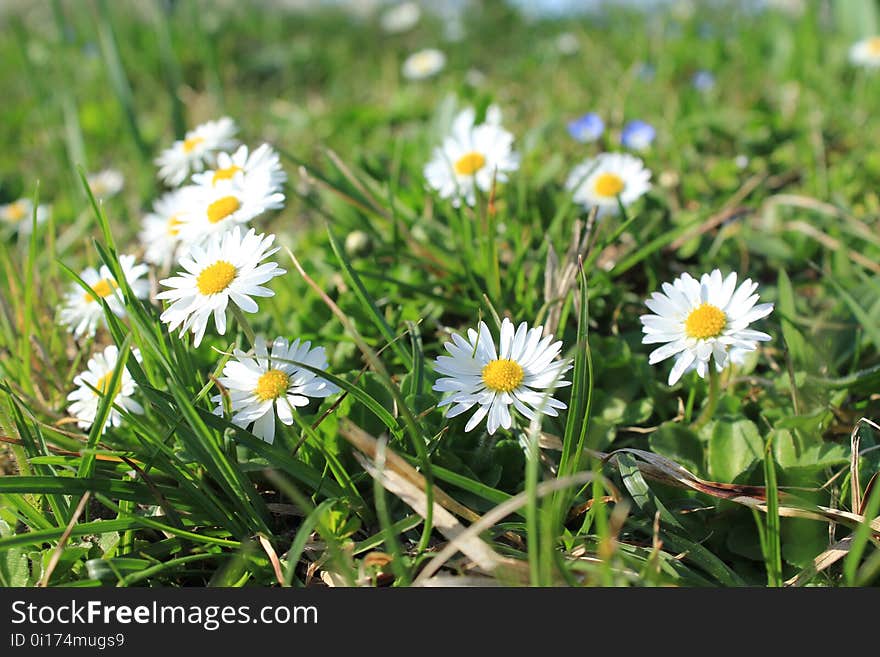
x,y
712,400
243,323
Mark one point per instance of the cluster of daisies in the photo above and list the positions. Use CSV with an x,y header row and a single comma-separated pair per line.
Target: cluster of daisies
x,y
223,265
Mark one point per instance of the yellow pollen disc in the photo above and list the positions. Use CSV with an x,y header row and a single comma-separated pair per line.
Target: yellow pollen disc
x,y
502,375
16,212
222,208
215,278
874,46
225,174
470,163
705,321
103,384
103,288
191,143
609,184
173,225
272,385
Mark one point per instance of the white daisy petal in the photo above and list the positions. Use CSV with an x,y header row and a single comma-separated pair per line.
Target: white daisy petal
x,y
93,383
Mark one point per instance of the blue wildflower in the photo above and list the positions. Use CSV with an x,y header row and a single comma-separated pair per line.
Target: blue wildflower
x,y
587,128
637,135
703,81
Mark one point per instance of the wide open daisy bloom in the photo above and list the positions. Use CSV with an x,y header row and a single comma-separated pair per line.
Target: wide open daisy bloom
x,y
106,183
20,214
699,320
599,181
81,313
161,228
423,64
522,373
269,381
866,52
226,269
94,382
214,209
471,157
195,151
262,166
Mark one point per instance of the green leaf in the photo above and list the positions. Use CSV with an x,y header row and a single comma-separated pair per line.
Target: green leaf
x,y
734,445
678,443
797,344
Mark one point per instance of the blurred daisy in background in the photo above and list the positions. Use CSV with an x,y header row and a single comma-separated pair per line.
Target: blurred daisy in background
x,y
637,135
424,64
698,320
866,52
227,269
20,215
196,150
587,128
601,180
471,157
267,382
106,183
703,81
93,384
161,228
522,373
400,18
567,43
262,166
80,312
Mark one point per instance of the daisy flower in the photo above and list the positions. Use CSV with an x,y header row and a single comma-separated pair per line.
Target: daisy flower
x,y
81,314
94,382
19,215
423,64
471,157
214,209
698,320
599,181
106,183
521,373
587,128
866,52
270,381
400,18
226,269
637,135
197,149
259,166
161,228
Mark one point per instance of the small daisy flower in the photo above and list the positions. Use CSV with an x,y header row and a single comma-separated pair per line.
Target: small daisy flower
x,y
94,382
269,382
423,64
522,373
637,135
19,215
214,209
567,43
471,157
601,180
227,268
196,150
260,167
161,228
81,314
400,18
587,128
106,183
866,52
698,320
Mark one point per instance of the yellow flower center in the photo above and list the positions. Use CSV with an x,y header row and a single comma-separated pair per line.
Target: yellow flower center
x,y
705,321
222,208
190,143
469,163
609,184
16,211
102,385
215,278
502,375
173,225
272,385
874,46
225,174
103,288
